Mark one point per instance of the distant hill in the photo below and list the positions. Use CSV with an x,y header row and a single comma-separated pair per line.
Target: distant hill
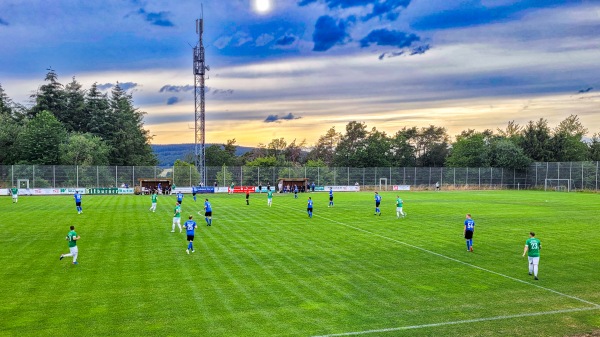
x,y
167,154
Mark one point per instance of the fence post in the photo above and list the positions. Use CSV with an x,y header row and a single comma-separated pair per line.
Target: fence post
x,y
97,176
318,176
596,176
467,178
53,176
32,175
479,171
415,176
117,175
348,169
501,177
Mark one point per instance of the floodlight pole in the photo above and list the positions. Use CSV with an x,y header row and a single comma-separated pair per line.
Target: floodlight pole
x,y
200,69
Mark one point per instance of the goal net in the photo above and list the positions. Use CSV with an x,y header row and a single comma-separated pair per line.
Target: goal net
x,y
559,185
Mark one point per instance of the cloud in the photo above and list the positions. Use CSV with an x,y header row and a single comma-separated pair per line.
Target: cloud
x,y
390,54
264,39
384,37
285,40
222,92
277,119
583,91
105,86
328,33
380,8
176,88
420,50
172,100
3,23
127,85
124,86
157,19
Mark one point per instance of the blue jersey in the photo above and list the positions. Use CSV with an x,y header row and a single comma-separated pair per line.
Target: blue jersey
x,y
295,189
331,193
469,225
77,197
377,198
190,225
207,206
310,204
179,196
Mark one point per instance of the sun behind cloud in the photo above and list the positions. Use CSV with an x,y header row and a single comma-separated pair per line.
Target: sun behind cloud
x,y
261,6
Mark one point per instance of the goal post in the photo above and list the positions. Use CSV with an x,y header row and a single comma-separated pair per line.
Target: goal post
x,y
559,185
383,184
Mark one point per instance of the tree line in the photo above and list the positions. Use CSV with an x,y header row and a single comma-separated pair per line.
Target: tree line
x,y
514,147
68,125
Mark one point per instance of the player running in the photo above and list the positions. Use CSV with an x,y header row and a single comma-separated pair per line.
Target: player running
x,y
309,207
15,194
330,197
154,200
72,237
269,197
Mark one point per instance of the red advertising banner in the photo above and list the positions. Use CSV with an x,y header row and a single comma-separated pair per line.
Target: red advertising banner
x,y
244,189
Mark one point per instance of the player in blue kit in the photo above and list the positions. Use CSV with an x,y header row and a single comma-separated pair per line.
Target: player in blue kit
x,y
309,207
179,197
194,193
295,191
77,197
468,232
190,226
377,203
330,197
207,212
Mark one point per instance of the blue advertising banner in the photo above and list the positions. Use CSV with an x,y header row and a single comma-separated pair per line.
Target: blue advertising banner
x,y
203,189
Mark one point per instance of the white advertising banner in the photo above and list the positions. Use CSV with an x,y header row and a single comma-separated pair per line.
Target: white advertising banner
x,y
401,187
343,188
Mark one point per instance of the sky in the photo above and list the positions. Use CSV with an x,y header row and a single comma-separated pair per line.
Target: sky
x,y
293,69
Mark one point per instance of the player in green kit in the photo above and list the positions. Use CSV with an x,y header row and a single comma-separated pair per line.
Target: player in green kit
x,y
72,237
532,249
154,200
399,204
269,197
15,194
177,218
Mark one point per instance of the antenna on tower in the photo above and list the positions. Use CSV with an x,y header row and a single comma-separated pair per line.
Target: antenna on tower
x,y
200,69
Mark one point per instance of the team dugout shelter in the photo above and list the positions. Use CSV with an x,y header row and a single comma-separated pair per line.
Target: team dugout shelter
x,y
148,184
289,183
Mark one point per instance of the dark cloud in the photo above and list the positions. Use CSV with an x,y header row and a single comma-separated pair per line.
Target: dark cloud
x,y
157,19
390,54
176,88
222,92
277,119
328,33
172,100
3,23
420,50
285,40
384,37
583,91
125,86
388,9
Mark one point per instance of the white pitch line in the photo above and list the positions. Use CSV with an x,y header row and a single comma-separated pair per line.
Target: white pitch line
x,y
432,325
462,262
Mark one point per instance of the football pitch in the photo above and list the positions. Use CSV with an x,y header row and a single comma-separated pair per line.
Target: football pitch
x,y
272,271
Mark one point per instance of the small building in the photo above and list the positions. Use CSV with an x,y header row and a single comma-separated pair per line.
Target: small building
x,y
149,184
288,184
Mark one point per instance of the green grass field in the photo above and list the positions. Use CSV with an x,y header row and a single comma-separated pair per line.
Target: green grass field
x,y
261,271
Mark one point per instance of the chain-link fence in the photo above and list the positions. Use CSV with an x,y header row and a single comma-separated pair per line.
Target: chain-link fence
x,y
572,175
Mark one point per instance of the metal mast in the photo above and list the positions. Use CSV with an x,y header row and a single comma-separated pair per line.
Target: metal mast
x,y
200,69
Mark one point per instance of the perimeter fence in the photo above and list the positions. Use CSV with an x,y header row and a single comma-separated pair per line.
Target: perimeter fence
x,y
569,175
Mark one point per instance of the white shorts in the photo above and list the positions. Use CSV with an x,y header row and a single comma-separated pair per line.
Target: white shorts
x,y
176,221
399,209
15,196
154,204
74,251
534,260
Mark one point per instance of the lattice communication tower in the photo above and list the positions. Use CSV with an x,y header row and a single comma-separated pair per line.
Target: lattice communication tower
x,y
200,69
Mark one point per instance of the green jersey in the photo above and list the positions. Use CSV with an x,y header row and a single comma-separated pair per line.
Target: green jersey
x,y
71,238
154,197
177,212
533,247
398,202
14,191
232,185
270,194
